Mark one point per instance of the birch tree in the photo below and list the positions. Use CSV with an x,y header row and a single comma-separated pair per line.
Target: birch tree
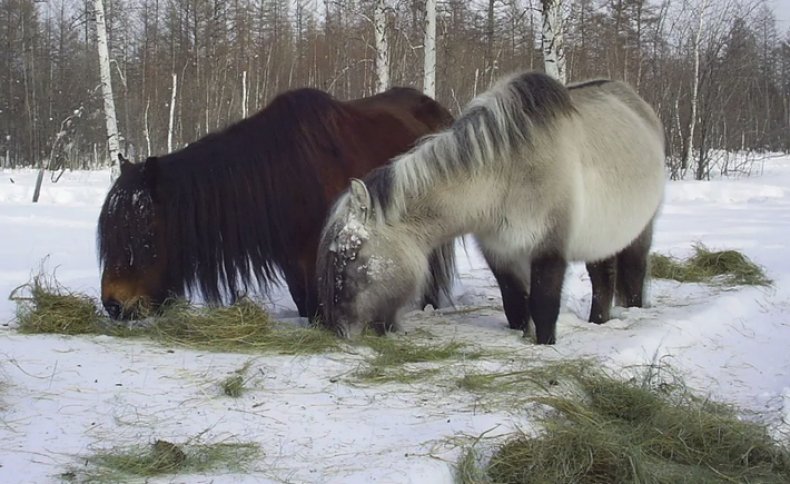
x,y
689,150
110,120
553,52
429,46
171,121
382,46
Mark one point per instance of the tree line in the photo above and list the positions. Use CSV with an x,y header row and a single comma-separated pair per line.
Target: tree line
x,y
717,71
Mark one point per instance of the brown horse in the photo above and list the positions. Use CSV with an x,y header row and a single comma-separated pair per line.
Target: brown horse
x,y
239,208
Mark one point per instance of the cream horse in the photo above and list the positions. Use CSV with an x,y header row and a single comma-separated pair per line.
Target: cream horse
x,y
541,174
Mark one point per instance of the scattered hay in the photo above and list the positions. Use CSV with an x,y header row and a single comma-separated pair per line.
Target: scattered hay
x,y
728,267
244,326
164,457
45,306
393,353
468,470
641,430
234,385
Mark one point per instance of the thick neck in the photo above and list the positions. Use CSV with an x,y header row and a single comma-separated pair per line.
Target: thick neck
x,y
449,210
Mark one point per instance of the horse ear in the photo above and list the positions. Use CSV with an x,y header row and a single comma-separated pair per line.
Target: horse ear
x,y
125,164
360,199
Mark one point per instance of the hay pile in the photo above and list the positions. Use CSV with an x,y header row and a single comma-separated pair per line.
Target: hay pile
x,y
641,432
728,267
45,306
162,457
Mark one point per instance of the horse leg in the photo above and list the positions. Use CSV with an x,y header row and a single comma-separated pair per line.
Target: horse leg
x,y
515,294
300,288
441,263
602,275
548,274
632,269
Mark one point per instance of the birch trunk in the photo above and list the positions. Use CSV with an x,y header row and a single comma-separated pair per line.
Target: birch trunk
x,y
553,52
694,90
244,92
429,44
111,122
172,114
382,47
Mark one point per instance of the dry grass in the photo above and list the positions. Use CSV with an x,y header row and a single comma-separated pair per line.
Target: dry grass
x,y
395,355
45,306
644,430
165,458
728,267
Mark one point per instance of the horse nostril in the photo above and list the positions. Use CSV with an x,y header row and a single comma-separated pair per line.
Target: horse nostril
x,y
113,308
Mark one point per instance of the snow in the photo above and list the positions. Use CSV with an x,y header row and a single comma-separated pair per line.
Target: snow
x,y
62,398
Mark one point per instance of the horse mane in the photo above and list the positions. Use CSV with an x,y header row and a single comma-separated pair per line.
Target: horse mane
x,y
498,122
220,203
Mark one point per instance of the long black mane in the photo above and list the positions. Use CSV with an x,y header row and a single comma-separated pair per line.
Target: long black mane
x,y
225,204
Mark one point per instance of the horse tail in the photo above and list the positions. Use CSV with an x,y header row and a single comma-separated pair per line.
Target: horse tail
x,y
441,275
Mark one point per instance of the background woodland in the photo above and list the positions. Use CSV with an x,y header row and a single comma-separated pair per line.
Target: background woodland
x,y
717,71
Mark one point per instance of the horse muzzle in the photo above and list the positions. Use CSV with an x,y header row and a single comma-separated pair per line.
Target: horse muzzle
x,y
113,308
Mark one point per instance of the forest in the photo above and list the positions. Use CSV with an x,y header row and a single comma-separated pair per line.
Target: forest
x,y
716,71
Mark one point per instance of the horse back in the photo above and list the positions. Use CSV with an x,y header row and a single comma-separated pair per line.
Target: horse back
x,y
381,127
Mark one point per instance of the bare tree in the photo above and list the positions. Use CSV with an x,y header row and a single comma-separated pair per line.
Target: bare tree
x,y
429,47
110,119
695,81
382,46
553,50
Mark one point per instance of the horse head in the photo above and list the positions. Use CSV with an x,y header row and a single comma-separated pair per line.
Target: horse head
x,y
130,240
365,273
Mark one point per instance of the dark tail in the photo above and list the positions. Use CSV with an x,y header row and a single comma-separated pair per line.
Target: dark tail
x,y
441,264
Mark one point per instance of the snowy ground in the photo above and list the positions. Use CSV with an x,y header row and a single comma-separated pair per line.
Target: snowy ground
x,y
65,397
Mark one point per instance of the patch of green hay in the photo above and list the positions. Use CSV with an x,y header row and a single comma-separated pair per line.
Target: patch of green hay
x,y
163,457
728,267
45,306
639,431
234,385
520,382
468,469
243,326
377,374
393,353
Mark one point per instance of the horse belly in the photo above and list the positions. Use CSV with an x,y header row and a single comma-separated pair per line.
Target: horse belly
x,y
608,220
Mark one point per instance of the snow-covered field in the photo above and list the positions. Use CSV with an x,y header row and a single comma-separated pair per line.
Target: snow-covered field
x,y
62,398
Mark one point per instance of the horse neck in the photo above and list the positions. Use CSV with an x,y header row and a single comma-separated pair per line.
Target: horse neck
x,y
448,209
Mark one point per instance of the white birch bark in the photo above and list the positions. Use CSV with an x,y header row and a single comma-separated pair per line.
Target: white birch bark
x,y
382,46
244,94
111,122
694,89
429,44
551,39
146,132
171,122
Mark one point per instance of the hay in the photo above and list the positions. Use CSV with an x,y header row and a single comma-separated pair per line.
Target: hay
x,y
243,326
727,267
640,430
394,357
164,457
233,386
45,306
